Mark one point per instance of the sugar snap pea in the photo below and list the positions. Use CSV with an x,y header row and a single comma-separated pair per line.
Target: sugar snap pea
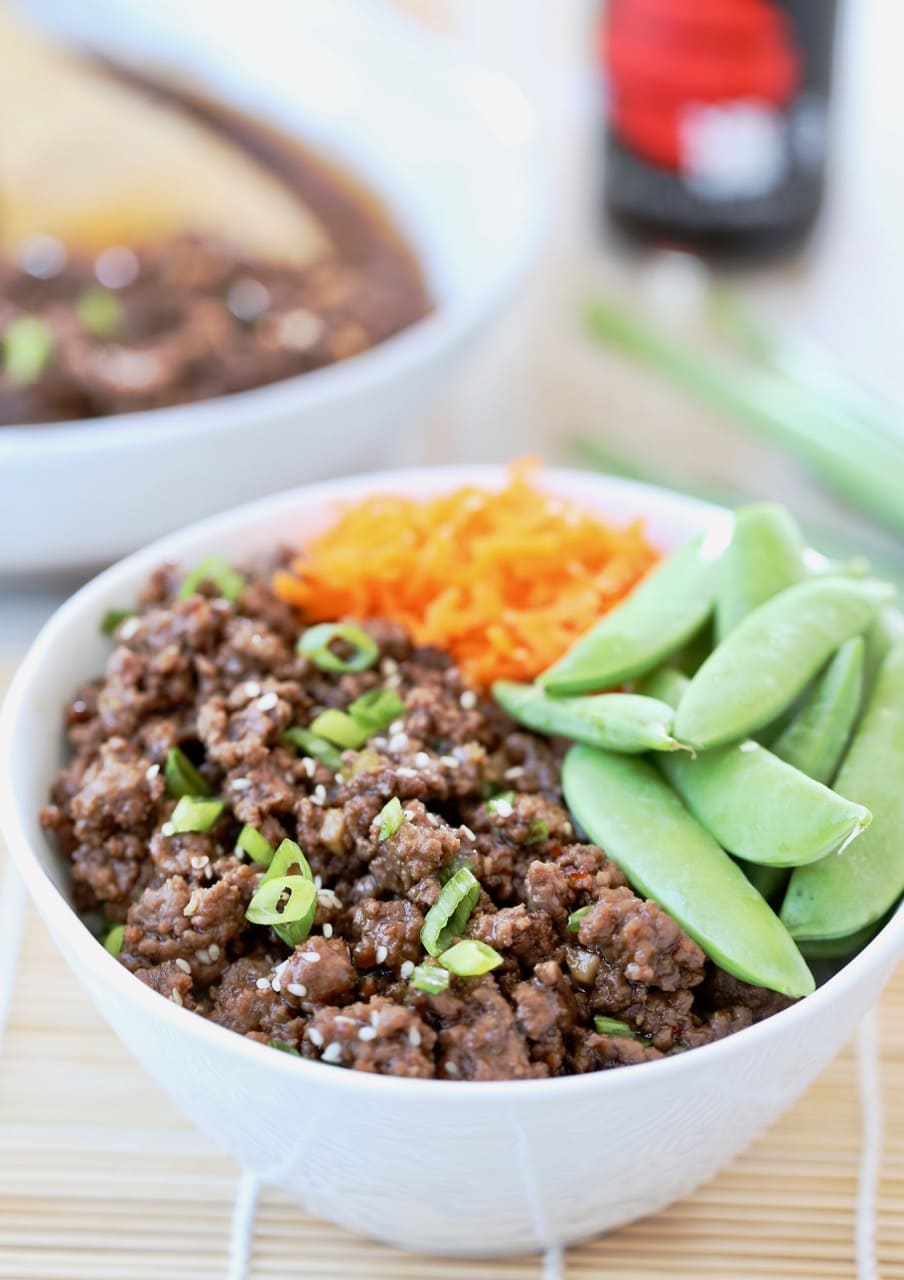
x,y
765,556
755,805
842,894
772,655
626,722
769,881
668,608
885,630
625,805
839,948
815,740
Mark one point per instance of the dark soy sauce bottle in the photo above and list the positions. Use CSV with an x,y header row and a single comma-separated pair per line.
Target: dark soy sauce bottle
x,y
717,121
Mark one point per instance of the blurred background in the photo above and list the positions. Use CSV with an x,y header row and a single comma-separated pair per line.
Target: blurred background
x,y
655,237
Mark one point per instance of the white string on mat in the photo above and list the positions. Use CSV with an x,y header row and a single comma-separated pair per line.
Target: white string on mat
x,y
12,913
869,1085
241,1235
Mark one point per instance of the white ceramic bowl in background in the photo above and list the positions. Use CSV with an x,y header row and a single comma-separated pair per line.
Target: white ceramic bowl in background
x,y
449,147
441,1166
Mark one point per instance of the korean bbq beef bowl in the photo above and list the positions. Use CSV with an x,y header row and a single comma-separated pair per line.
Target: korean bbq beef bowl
x,y
394,815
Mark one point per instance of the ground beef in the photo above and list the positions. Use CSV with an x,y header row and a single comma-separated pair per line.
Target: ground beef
x,y
199,318
223,682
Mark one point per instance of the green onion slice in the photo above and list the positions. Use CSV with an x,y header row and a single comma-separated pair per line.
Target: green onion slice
x,y
289,855
316,641
470,958
612,1027
376,709
574,920
539,831
283,1047
312,745
113,939
27,348
228,581
430,978
112,618
100,312
448,916
251,841
182,778
340,728
284,900
191,814
392,815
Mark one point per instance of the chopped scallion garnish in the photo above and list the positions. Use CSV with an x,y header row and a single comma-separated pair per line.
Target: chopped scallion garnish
x,y
539,831
376,709
574,920
612,1027
448,916
316,644
191,814
340,728
100,312
182,778
392,815
430,978
113,939
289,855
283,900
214,569
251,841
112,618
312,745
283,1047
27,347
470,958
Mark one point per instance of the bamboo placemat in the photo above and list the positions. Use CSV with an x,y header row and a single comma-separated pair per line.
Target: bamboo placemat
x,y
102,1179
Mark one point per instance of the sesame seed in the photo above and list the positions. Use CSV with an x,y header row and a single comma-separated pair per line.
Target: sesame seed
x,y
129,628
319,796
367,1033
327,898
422,760
167,829
397,726
343,1019
318,883
176,998
309,766
200,861
183,965
328,930
381,953
152,771
405,773
297,989
214,951
393,681
192,905
275,985
414,1037
388,666
467,833
516,771
117,267
449,761
375,1018
203,955
567,829
263,984
451,1069
252,689
312,957
468,700
502,809
315,1037
398,742
332,1053
267,702
280,969
79,706
379,744
407,969
240,784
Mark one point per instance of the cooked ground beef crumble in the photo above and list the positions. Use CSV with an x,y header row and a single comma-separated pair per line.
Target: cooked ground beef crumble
x,y
224,682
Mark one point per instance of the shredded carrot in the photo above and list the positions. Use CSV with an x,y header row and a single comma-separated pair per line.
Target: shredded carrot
x,y
503,581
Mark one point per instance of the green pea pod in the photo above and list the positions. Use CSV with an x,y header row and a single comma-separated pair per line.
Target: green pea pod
x,y
625,722
755,805
815,740
769,881
885,630
839,948
624,804
843,894
660,615
770,657
766,555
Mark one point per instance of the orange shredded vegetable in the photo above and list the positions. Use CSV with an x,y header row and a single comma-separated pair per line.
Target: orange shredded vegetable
x,y
503,581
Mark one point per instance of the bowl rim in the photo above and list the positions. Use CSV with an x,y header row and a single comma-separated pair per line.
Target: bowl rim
x,y
81,946
446,324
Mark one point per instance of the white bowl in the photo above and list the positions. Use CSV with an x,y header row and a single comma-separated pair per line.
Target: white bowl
x,y
441,1166
451,150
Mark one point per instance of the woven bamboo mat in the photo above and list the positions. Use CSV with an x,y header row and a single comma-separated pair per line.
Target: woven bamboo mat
x,y
102,1179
